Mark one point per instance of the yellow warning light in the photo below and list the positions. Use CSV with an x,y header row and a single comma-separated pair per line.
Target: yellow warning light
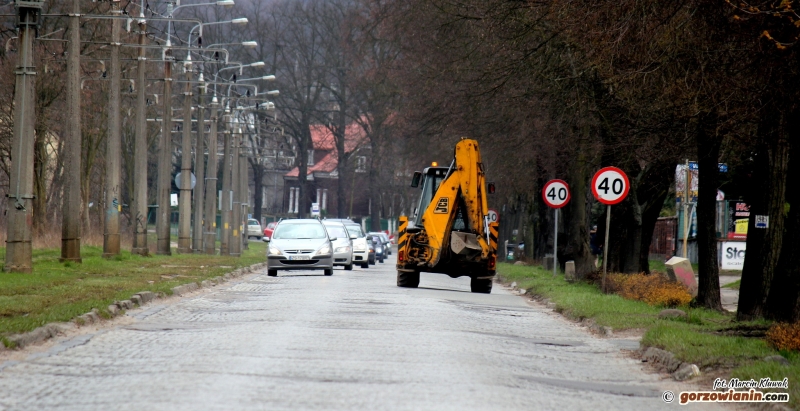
x,y
434,164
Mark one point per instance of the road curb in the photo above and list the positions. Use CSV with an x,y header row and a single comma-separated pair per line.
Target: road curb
x,y
664,360
115,309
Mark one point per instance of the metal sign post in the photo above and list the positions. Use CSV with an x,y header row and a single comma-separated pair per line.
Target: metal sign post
x,y
556,195
610,186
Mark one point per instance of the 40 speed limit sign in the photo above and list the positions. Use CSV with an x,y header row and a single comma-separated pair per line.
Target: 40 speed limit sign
x,y
610,185
556,193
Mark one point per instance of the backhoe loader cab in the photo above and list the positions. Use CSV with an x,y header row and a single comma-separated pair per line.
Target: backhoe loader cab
x,y
449,232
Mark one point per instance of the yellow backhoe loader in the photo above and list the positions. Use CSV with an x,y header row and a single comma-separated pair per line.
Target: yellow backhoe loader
x,y
450,232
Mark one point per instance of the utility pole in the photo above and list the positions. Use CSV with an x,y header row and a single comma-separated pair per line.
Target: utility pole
x,y
18,235
165,164
71,202
235,244
226,200
185,199
139,210
199,160
113,146
244,197
211,184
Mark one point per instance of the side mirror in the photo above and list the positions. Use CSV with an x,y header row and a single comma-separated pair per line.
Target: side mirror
x,y
491,188
415,180
332,238
353,237
266,239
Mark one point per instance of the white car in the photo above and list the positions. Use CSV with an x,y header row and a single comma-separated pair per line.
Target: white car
x,y
342,246
254,229
360,246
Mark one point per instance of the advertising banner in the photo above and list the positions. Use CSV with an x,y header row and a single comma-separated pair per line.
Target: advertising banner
x,y
733,255
739,216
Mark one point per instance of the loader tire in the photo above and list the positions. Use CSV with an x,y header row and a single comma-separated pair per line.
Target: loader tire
x,y
408,280
479,285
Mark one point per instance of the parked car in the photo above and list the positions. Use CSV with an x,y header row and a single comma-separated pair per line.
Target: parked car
x,y
387,243
342,246
254,229
301,244
268,230
379,247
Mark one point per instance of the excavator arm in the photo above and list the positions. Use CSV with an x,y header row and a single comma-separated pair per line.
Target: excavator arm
x,y
462,194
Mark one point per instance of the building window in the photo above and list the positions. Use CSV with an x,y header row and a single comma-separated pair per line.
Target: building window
x,y
361,164
311,157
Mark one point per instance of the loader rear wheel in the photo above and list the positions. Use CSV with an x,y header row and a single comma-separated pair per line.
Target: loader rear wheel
x,y
408,280
480,285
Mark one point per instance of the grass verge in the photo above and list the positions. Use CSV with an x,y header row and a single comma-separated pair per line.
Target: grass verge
x,y
61,291
706,338
734,285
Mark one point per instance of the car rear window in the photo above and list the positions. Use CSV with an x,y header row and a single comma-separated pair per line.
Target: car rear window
x,y
299,231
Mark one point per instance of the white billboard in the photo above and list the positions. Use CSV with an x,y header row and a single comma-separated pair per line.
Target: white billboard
x,y
733,255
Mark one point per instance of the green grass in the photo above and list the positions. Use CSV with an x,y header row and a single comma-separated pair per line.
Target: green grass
x,y
696,339
735,285
61,291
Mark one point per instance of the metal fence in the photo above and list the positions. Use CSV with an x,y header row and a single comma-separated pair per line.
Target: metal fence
x,y
664,243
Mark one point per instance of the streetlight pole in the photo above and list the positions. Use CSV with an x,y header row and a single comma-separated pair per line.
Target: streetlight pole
x,y
18,237
71,202
199,160
165,157
244,198
226,189
211,184
185,199
235,243
139,211
111,245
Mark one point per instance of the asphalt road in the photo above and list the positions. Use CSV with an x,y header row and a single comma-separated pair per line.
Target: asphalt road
x,y
352,341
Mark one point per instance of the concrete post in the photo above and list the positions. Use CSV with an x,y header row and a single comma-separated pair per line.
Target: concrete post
x,y
211,186
185,199
71,200
199,170
235,243
113,205
165,169
224,248
244,193
20,190
139,211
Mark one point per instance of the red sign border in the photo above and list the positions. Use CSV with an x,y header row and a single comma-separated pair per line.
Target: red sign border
x,y
544,191
624,194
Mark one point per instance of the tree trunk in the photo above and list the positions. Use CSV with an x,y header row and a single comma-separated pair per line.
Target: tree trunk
x,y
708,145
767,199
577,241
783,301
40,158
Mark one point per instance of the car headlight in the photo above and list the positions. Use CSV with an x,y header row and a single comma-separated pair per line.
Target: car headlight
x,y
324,250
274,251
345,249
359,247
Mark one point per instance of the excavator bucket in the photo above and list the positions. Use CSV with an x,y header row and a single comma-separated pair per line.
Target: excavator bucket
x,y
464,243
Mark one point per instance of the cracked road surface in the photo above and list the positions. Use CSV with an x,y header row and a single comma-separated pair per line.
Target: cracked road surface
x,y
353,341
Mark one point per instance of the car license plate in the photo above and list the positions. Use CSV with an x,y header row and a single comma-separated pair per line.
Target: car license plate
x,y
299,257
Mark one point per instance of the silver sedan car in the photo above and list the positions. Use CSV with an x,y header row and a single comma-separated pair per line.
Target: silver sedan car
x,y
300,245
342,246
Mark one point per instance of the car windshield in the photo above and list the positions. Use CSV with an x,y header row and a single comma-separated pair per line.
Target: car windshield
x,y
254,222
299,232
355,231
338,232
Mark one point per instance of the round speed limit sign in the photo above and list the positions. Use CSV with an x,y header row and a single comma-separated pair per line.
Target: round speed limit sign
x,y
493,216
556,193
610,185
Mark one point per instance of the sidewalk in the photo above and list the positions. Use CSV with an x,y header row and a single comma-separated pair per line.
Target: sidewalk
x,y
730,296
